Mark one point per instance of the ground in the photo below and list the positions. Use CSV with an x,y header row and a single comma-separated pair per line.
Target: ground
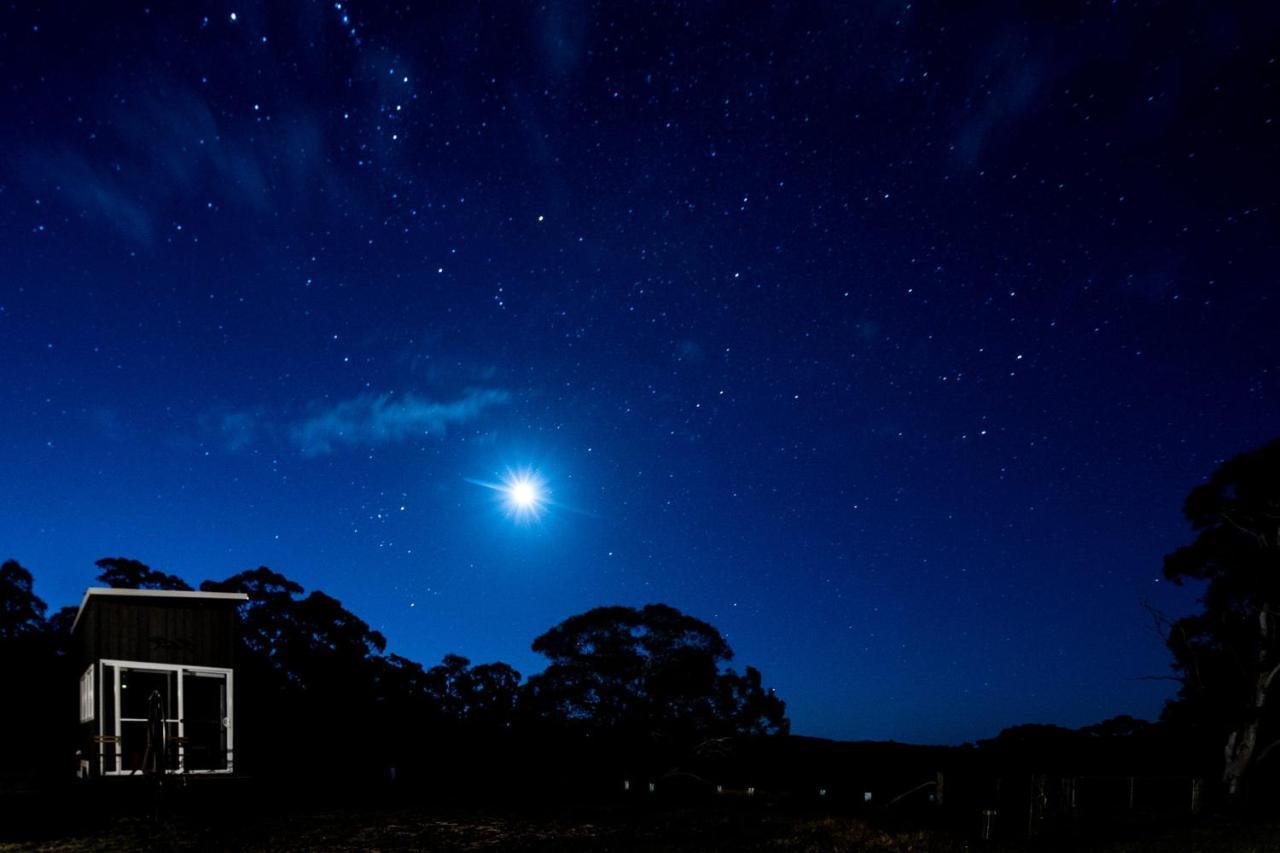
x,y
624,830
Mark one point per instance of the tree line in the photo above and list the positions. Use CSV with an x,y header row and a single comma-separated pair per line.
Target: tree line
x,y
638,687
317,691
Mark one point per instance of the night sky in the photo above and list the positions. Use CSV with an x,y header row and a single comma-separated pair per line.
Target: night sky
x,y
886,337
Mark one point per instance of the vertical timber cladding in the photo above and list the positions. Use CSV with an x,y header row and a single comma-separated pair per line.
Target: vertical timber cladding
x,y
191,632
179,632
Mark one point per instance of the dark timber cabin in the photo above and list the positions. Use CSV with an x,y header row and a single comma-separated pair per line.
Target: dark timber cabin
x,y
157,681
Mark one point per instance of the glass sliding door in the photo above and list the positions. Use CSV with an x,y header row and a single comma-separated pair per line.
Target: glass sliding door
x,y
145,747
165,717
205,720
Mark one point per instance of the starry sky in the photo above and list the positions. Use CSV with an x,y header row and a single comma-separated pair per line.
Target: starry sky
x,y
888,337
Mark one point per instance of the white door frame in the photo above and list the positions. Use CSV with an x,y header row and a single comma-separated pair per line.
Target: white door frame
x,y
180,669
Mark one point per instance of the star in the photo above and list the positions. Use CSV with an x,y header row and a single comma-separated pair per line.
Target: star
x,y
525,495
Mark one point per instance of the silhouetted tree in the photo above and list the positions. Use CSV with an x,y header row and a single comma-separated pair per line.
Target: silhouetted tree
x,y
123,573
325,641
59,627
311,675
446,684
477,697
21,610
749,707
1228,656
493,691
449,724
308,641
265,618
652,674
36,720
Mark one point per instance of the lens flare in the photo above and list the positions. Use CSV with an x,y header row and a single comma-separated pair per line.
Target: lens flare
x,y
523,494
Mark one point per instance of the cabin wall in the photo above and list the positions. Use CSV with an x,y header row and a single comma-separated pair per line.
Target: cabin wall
x,y
191,632
180,631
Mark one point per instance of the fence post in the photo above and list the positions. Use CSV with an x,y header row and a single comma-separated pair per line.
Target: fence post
x,y
938,789
1196,784
1130,793
988,824
1035,806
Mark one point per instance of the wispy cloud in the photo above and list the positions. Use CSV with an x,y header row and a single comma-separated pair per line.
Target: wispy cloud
x,y
234,430
371,419
239,429
94,193
170,154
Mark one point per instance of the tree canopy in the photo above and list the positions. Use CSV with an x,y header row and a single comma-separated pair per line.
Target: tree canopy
x,y
35,668
653,672
21,610
1228,655
124,573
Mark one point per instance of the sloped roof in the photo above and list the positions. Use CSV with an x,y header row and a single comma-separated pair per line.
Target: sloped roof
x,y
104,591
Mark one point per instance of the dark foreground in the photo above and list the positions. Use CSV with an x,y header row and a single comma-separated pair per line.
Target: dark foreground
x,y
738,827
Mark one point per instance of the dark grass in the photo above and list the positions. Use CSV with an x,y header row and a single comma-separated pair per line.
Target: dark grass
x,y
261,818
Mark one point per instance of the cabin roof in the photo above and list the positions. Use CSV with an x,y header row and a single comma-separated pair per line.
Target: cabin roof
x,y
101,591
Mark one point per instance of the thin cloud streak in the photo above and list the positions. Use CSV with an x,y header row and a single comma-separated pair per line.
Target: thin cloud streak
x,y
372,419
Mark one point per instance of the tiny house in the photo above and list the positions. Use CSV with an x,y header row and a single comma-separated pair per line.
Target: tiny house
x,y
157,683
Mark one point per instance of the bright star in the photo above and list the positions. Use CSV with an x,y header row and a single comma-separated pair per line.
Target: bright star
x,y
526,495
523,494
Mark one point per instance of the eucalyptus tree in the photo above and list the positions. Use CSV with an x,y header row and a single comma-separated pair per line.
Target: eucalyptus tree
x,y
1228,655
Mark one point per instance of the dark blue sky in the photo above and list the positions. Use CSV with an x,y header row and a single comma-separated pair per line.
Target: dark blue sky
x,y
886,337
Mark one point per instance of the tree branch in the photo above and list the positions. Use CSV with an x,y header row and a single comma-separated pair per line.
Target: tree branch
x,y
1269,677
1160,623
1263,755
1260,538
